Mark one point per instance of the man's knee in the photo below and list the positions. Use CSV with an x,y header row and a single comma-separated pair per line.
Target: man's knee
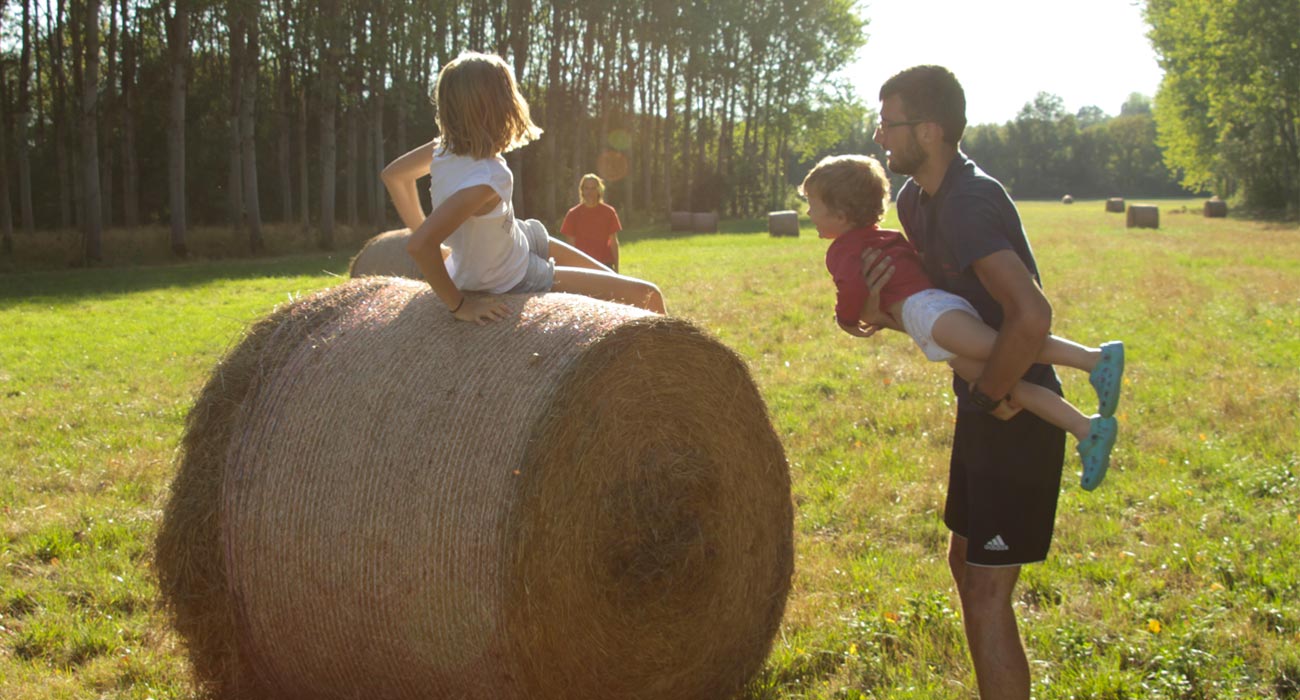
x,y
957,559
985,588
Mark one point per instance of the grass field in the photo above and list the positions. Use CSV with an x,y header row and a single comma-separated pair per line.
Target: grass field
x,y
1178,578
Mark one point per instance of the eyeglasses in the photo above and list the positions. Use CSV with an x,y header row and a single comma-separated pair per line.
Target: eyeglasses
x,y
886,124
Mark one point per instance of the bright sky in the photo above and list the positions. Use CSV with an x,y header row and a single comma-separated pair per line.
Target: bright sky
x,y
1005,52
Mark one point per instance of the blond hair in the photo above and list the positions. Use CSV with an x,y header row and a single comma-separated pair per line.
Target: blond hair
x,y
480,111
852,186
600,186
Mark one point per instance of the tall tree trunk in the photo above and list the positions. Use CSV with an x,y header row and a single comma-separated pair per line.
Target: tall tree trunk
x,y
329,89
130,166
178,40
62,115
248,134
110,118
234,168
351,164
386,61
6,214
283,97
668,149
304,179
378,161
23,120
92,226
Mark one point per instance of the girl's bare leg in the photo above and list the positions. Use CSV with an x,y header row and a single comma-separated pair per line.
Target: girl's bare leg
x,y
965,335
567,256
1040,401
609,286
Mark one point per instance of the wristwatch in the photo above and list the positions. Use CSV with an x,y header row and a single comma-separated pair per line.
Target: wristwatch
x,y
983,401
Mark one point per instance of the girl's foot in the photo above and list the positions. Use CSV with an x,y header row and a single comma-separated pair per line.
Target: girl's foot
x,y
1107,376
1094,450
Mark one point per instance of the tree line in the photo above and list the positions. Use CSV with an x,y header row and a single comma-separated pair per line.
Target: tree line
x,y
184,112
1044,153
1228,107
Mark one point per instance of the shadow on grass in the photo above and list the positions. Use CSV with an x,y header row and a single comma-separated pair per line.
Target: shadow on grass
x,y
68,285
71,285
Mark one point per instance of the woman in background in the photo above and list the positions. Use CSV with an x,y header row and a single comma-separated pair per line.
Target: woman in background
x,y
592,226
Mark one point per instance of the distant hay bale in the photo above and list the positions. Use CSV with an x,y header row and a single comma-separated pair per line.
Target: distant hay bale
x,y
704,222
1115,204
374,500
1215,208
680,220
385,256
1143,216
1067,199
783,223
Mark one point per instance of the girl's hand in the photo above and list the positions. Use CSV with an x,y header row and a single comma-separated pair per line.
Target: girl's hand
x,y
481,310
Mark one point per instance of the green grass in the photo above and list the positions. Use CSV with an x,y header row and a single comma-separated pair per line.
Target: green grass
x,y
1178,578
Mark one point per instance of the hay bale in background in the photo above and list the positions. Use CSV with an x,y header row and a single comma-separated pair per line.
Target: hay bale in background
x,y
1115,205
1143,216
1067,199
385,256
704,222
783,223
680,221
1215,208
374,500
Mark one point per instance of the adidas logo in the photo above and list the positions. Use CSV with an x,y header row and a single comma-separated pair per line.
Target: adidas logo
x,y
996,544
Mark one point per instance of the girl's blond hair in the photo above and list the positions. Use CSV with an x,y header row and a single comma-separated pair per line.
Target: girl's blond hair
x,y
600,186
853,186
480,111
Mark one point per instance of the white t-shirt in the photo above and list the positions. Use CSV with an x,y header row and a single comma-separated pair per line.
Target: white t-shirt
x,y
488,253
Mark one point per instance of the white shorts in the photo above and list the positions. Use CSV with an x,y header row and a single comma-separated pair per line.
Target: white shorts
x,y
922,309
540,276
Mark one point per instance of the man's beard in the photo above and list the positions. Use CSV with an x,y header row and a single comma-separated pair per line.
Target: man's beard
x,y
906,162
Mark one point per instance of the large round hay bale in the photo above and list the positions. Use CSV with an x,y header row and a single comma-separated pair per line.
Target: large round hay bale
x,y
1115,205
1215,208
1143,216
385,256
680,220
1067,199
374,500
704,222
783,223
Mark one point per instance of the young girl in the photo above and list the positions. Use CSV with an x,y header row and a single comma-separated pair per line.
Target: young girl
x,y
847,196
480,116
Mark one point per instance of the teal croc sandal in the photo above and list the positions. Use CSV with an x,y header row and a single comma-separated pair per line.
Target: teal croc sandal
x,y
1094,451
1107,376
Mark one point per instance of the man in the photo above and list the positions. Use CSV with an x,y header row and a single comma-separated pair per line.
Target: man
x,y
1005,469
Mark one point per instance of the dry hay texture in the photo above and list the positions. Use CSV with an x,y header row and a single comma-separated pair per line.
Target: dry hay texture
x,y
680,221
1115,205
374,500
704,222
1067,199
1143,216
1215,208
385,256
783,223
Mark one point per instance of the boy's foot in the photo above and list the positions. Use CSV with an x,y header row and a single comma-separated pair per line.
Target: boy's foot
x,y
1107,376
1094,450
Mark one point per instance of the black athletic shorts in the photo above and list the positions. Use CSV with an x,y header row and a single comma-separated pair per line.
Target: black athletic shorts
x,y
1003,482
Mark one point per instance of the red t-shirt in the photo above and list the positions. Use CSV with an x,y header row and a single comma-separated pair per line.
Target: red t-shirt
x,y
592,230
844,262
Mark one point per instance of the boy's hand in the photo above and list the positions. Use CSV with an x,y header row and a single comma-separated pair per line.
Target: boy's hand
x,y
877,269
1006,410
481,310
